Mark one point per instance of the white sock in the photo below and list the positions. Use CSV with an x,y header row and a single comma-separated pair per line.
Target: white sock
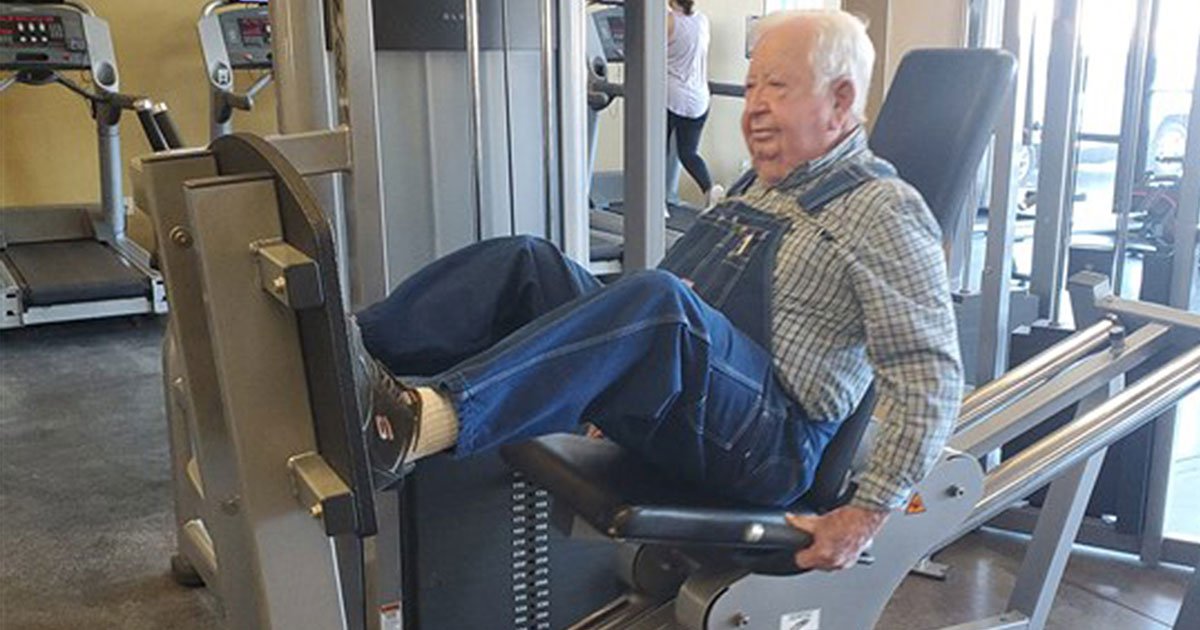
x,y
439,424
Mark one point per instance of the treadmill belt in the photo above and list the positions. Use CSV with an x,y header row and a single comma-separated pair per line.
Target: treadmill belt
x,y
607,225
680,216
605,247
63,272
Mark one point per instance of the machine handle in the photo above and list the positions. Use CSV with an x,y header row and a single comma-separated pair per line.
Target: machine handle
x,y
154,135
166,124
244,102
771,548
776,536
126,101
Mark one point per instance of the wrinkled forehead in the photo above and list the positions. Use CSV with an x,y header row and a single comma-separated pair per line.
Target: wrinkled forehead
x,y
782,52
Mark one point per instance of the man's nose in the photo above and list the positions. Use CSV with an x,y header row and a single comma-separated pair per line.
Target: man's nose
x,y
754,104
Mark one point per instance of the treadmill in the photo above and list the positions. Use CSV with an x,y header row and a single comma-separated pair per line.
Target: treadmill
x,y
605,45
69,262
235,35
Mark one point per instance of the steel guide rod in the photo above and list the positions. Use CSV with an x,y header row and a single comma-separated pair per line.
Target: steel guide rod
x,y
1074,443
997,394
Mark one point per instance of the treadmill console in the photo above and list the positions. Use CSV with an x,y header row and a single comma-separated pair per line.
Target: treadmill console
x,y
247,35
42,38
610,25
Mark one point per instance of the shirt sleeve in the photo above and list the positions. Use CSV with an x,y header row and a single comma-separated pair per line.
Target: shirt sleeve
x,y
900,279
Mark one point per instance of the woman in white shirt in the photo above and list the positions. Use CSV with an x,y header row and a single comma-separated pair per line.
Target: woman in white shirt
x,y
687,89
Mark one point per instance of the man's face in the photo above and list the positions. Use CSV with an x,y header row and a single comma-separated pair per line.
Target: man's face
x,y
787,120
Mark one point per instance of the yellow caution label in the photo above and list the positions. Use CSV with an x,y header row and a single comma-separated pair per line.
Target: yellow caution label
x,y
916,505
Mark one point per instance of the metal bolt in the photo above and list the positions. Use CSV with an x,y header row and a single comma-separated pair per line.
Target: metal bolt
x,y
180,236
955,491
741,620
279,285
231,505
1116,340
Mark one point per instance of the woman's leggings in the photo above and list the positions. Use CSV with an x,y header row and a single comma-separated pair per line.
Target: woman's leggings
x,y
687,141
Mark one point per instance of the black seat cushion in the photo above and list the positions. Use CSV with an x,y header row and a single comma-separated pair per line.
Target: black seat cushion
x,y
621,495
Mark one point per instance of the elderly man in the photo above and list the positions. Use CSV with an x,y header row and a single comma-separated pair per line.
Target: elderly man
x,y
731,365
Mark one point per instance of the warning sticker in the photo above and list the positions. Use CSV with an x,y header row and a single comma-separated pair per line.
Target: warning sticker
x,y
801,620
916,505
389,617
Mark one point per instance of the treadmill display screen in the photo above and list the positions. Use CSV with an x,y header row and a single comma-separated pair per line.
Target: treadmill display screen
x,y
255,30
32,31
616,28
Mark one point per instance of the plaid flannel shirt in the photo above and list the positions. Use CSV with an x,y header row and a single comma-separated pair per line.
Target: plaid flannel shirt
x,y
861,292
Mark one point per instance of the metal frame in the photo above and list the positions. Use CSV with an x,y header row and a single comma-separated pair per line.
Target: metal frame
x,y
1129,153
994,325
239,428
1189,612
574,172
1053,205
1046,556
645,127
1187,224
1051,241
304,97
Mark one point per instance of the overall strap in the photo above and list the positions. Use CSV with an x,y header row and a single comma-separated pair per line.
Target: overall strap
x,y
845,179
743,183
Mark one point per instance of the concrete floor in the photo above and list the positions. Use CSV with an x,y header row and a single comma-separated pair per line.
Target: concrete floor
x,y
86,525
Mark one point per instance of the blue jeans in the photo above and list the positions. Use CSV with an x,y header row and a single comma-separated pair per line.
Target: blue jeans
x,y
525,342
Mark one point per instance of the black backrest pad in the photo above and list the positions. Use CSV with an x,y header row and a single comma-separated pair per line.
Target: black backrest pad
x,y
831,481
937,121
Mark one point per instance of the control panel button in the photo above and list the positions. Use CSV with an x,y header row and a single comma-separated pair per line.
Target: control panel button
x,y
222,76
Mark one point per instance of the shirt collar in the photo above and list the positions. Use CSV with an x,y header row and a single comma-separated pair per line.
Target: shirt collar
x,y
850,146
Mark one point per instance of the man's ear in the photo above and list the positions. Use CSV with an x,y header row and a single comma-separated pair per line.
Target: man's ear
x,y
844,94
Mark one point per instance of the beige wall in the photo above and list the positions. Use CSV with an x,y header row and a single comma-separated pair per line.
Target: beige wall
x,y
47,136
923,24
898,26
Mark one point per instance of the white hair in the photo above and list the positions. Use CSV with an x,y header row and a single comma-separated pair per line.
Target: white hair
x,y
842,48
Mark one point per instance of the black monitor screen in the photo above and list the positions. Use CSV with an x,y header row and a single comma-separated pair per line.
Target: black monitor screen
x,y
616,28
254,27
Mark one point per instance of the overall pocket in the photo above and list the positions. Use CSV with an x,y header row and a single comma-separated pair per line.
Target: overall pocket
x,y
733,406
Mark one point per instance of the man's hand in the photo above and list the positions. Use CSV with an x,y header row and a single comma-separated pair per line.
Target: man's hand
x,y
838,537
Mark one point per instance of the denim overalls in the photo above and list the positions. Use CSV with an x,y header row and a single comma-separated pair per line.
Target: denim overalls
x,y
729,254
673,363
